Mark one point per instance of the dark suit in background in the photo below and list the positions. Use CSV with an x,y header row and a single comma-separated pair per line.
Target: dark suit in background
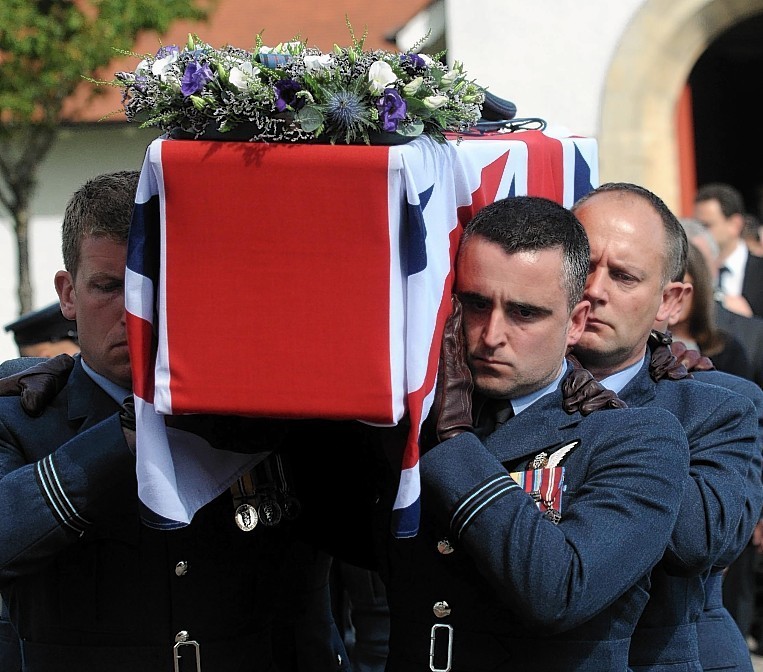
x,y
752,283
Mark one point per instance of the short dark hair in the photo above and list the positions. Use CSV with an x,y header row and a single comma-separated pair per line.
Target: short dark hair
x,y
532,223
676,244
100,207
729,198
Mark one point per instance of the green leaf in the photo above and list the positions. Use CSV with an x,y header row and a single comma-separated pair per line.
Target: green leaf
x,y
310,119
411,130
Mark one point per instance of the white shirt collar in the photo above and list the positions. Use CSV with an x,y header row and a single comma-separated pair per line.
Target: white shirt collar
x,y
116,392
521,403
617,381
731,282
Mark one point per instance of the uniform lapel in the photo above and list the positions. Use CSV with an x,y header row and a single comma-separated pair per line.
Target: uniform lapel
x,y
641,389
533,430
88,403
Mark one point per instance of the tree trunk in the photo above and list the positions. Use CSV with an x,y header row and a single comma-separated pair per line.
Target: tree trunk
x,y
22,151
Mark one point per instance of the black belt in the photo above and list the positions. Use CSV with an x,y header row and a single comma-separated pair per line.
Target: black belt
x,y
218,656
411,645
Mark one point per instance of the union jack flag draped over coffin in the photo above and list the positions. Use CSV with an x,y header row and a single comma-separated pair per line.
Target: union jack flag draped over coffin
x,y
304,281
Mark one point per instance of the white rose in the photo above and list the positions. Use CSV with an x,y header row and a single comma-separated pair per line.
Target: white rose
x,y
317,63
161,66
380,76
433,102
241,75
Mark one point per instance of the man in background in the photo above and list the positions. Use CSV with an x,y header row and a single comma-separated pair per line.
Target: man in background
x,y
44,333
720,208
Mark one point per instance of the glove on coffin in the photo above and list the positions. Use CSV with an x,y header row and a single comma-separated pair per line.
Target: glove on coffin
x,y
39,384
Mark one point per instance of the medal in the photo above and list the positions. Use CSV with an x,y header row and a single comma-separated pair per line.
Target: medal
x,y
270,512
246,517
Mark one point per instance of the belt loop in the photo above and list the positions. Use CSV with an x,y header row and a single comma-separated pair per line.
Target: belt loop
x,y
432,645
181,639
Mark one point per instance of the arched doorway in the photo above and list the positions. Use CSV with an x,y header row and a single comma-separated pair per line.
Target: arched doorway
x,y
725,88
657,54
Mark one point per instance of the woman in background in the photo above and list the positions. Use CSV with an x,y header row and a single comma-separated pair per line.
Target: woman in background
x,y
695,325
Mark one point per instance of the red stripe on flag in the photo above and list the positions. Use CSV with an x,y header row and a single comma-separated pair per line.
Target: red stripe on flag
x,y
142,356
416,397
545,169
487,191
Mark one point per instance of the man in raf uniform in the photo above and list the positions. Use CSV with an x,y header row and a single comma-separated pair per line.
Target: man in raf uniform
x,y
540,521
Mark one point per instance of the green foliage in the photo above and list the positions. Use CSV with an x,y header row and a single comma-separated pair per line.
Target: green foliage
x,y
46,46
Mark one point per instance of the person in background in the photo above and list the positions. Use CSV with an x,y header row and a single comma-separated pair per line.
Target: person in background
x,y
751,234
695,325
720,208
469,593
637,265
88,587
44,333
747,329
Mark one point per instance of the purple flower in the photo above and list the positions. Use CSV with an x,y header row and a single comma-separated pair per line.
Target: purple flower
x,y
167,51
414,60
392,109
286,90
195,77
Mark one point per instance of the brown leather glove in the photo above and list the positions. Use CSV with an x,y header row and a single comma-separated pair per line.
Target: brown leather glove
x,y
672,360
582,392
691,359
39,384
451,412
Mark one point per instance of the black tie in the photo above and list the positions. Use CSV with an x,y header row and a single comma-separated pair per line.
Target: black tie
x,y
718,292
721,272
492,414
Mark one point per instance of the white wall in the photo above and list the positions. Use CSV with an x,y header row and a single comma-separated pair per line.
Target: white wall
x,y
549,57
79,153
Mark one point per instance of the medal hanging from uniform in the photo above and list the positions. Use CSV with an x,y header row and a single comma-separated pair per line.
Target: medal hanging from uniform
x,y
264,495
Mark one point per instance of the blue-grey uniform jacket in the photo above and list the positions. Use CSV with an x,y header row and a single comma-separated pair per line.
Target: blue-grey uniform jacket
x,y
519,592
90,588
720,507
721,644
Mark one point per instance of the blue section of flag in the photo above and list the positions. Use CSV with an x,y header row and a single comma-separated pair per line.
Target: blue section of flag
x,y
582,175
417,234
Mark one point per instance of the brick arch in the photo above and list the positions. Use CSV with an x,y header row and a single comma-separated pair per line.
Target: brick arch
x,y
637,134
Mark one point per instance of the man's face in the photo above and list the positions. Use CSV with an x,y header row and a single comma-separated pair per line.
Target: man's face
x,y
516,320
96,300
725,230
625,281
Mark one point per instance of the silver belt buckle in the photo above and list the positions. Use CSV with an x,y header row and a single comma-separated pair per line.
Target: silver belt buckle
x,y
433,643
182,640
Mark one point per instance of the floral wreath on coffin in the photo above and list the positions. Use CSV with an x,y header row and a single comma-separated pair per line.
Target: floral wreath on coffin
x,y
296,93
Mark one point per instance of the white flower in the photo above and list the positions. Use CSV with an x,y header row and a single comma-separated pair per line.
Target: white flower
x,y
449,77
433,102
142,67
380,76
241,75
414,85
317,63
161,66
428,60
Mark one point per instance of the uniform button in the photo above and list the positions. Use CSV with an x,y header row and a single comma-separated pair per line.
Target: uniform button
x,y
181,568
182,636
445,547
441,609
339,660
